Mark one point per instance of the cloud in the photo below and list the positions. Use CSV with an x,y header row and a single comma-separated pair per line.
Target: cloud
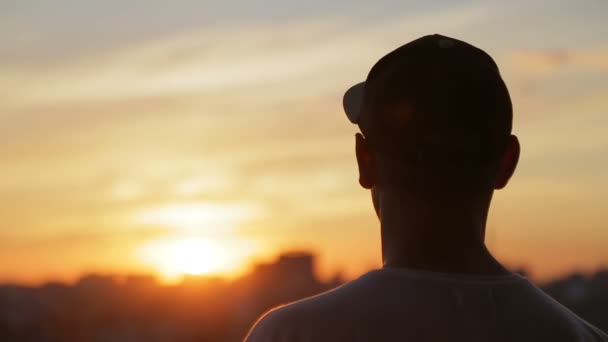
x,y
35,33
543,63
64,239
220,59
199,216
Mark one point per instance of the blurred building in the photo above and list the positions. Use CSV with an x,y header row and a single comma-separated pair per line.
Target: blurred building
x,y
138,308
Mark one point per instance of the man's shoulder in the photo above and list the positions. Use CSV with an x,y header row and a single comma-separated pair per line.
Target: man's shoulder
x,y
290,321
275,325
285,322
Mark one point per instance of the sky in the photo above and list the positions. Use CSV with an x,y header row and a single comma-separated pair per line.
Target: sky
x,y
197,136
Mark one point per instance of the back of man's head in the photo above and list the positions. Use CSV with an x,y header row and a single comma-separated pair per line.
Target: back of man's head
x,y
438,117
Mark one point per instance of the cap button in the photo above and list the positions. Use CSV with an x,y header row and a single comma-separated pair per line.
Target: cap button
x,y
446,43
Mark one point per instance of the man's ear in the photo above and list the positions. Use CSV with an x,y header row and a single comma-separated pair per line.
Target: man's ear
x,y
508,163
366,162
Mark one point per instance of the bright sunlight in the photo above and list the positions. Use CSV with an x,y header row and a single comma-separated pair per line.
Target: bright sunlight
x,y
176,257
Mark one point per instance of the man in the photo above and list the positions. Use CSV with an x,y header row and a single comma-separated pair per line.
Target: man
x,y
435,119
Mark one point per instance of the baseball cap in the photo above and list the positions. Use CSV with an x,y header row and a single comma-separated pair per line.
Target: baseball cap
x,y
455,92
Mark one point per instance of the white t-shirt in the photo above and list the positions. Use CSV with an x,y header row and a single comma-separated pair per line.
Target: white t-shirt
x,y
406,305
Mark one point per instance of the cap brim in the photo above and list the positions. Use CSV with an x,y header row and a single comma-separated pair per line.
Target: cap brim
x,y
352,102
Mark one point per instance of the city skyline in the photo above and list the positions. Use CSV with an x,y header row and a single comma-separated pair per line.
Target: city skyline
x,y
138,307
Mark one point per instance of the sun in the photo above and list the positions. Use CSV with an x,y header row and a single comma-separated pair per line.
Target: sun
x,y
175,257
185,252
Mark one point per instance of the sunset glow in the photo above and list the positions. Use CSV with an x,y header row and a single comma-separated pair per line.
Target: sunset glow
x,y
194,137
197,216
176,257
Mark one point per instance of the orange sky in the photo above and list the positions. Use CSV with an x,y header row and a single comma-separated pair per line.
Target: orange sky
x,y
173,125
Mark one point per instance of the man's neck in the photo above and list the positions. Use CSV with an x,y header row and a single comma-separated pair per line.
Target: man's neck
x,y
447,241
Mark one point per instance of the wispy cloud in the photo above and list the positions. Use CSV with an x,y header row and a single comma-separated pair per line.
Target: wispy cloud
x,y
542,63
223,60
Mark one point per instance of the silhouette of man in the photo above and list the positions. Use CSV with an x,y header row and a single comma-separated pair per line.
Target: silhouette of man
x,y
435,118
